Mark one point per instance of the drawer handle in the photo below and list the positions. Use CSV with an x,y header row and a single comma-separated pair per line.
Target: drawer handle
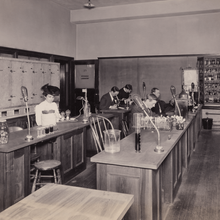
x,y
207,113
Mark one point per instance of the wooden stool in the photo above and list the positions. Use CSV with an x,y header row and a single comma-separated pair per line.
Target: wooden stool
x,y
44,166
35,158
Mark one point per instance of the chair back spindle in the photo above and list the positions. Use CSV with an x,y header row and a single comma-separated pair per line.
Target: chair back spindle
x,y
98,124
125,128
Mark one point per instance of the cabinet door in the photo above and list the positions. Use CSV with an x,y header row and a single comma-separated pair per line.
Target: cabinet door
x,y
55,75
37,83
72,155
15,176
26,76
137,182
46,69
5,67
16,81
55,78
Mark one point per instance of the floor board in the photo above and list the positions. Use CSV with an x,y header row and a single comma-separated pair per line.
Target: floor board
x,y
87,178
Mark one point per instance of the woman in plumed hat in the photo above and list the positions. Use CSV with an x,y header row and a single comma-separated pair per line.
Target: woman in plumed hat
x,y
48,105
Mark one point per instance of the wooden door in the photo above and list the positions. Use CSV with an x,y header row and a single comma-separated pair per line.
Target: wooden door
x,y
5,67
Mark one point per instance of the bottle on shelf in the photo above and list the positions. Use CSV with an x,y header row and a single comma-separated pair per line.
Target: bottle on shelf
x,y
190,103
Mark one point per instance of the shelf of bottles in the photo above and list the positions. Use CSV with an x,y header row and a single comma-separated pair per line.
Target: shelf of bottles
x,y
209,80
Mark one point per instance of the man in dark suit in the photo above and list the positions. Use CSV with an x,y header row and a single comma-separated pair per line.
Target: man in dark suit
x,y
124,94
161,107
108,100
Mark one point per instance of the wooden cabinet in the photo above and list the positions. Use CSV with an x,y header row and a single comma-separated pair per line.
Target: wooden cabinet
x,y
68,148
37,83
5,67
209,79
153,189
127,180
16,82
46,73
14,176
67,144
15,183
31,74
153,179
55,75
26,76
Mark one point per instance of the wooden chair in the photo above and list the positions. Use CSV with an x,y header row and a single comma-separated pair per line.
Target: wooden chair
x,y
98,124
125,129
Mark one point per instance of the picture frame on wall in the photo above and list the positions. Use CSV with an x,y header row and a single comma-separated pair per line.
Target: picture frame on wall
x,y
85,76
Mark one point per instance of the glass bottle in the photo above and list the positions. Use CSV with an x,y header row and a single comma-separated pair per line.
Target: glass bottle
x,y
183,94
4,132
190,104
89,109
86,110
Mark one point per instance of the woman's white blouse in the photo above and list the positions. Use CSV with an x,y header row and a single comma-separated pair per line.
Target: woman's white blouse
x,y
45,105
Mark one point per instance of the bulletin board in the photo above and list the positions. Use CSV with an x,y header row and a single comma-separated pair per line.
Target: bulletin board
x,y
85,76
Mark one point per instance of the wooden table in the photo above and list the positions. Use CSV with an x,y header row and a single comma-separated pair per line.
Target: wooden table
x,y
61,202
122,114
153,178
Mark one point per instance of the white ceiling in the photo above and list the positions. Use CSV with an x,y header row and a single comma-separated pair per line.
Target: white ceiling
x,y
78,4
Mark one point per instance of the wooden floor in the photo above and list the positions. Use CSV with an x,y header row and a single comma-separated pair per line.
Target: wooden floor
x,y
198,197
87,178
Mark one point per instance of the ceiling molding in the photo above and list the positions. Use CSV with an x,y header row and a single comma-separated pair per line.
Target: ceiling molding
x,y
148,16
145,10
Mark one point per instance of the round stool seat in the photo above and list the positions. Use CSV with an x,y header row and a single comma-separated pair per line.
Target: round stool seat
x,y
47,164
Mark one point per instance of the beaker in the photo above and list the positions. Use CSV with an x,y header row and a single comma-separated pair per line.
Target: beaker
x,y
138,120
112,140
